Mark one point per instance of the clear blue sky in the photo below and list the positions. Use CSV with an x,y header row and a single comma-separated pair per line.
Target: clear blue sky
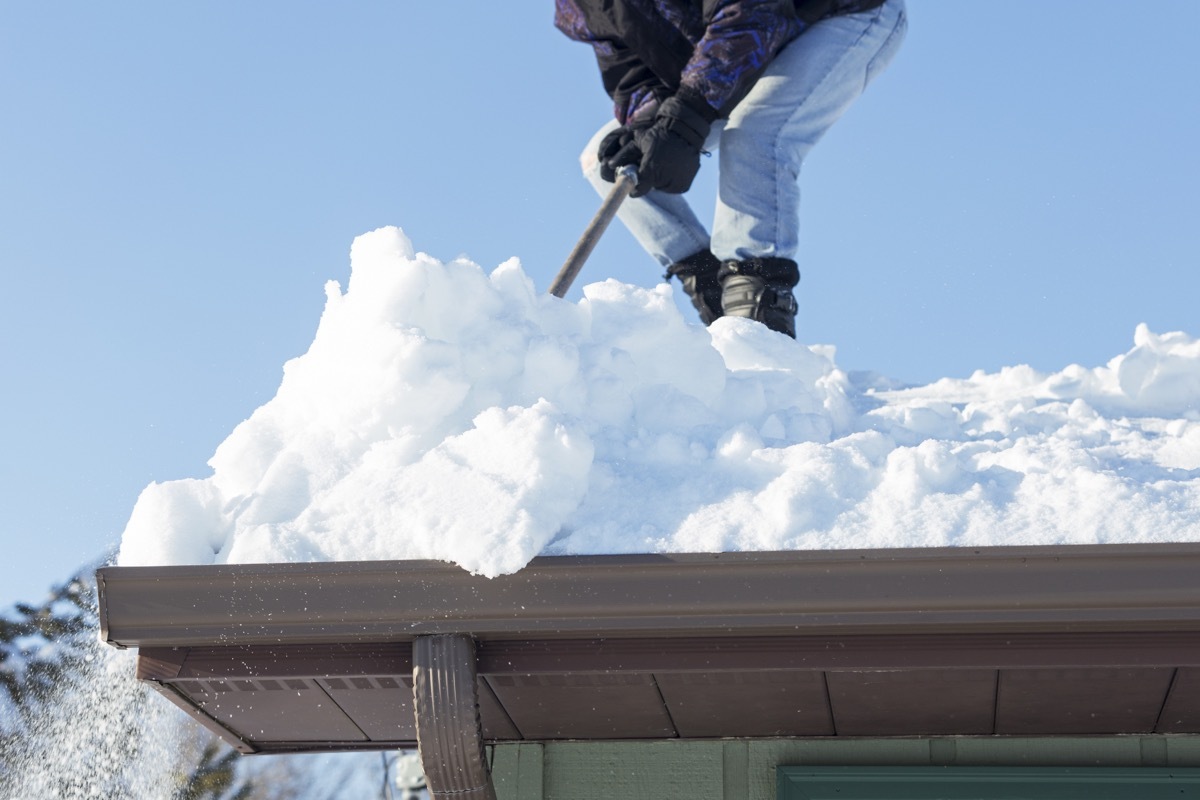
x,y
178,181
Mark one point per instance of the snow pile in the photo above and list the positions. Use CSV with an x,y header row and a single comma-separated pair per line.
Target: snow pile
x,y
445,413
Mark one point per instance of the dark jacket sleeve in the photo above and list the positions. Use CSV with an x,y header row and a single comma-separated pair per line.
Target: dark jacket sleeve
x,y
741,37
711,52
632,85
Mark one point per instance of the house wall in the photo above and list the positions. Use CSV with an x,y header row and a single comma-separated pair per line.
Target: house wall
x,y
737,769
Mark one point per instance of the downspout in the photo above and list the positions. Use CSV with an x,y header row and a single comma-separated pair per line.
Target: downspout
x,y
446,701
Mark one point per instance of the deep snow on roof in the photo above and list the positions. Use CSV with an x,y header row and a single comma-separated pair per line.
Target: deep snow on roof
x,y
443,412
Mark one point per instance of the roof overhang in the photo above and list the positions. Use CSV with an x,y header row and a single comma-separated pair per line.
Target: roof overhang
x,y
987,641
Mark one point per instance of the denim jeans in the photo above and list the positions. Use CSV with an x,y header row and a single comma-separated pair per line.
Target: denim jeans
x,y
763,143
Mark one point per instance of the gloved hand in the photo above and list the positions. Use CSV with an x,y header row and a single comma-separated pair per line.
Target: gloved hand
x,y
619,142
669,149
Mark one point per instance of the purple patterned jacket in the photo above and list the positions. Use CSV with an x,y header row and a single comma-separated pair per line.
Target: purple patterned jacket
x,y
709,51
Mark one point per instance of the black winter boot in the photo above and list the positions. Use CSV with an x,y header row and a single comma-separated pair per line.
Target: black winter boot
x,y
761,289
698,274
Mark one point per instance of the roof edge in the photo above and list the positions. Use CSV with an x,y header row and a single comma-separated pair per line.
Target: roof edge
x,y
915,590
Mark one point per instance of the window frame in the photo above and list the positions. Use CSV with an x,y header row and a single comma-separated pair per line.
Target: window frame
x,y
986,783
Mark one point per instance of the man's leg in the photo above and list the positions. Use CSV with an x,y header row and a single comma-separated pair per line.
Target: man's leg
x,y
808,86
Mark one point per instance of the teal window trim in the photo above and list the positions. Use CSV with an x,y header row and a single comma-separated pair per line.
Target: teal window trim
x,y
987,783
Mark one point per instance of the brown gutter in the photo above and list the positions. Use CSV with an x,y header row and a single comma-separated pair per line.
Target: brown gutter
x,y
966,630
910,591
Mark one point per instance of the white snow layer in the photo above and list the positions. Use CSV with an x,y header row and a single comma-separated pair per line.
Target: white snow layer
x,y
444,413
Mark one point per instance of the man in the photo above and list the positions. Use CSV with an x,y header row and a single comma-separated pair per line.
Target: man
x,y
758,81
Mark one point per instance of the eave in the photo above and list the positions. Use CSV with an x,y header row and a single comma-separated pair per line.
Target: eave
x,y
1062,640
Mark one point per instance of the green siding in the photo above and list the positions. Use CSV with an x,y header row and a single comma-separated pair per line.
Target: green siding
x,y
738,769
666,770
518,771
736,763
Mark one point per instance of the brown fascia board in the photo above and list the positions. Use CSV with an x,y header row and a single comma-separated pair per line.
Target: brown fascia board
x,y
1096,588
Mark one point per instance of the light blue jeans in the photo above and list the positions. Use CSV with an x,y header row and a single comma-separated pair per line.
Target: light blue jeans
x,y
762,145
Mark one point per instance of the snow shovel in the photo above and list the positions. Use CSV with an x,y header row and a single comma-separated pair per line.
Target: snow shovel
x,y
626,181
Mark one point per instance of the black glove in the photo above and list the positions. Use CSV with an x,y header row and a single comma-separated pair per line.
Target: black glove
x,y
669,149
618,144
